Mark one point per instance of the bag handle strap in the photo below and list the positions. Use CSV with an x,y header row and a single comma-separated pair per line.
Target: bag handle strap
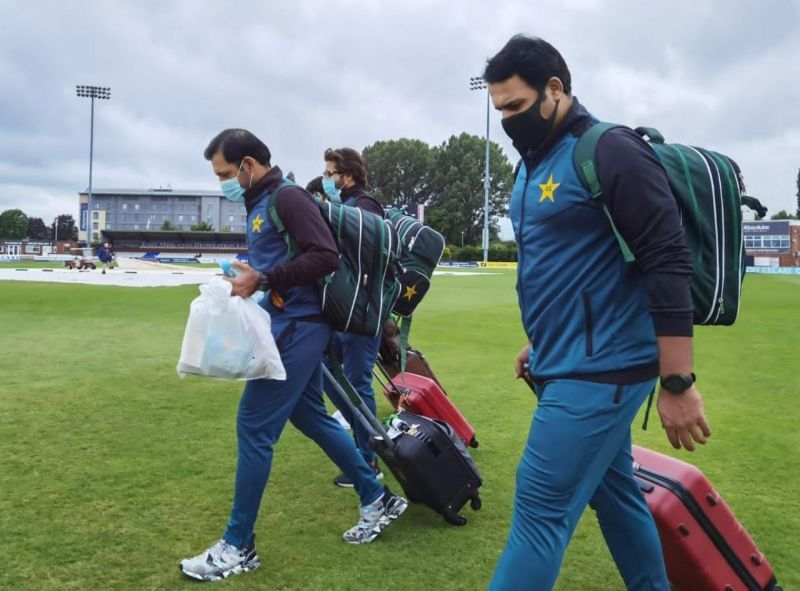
x,y
652,134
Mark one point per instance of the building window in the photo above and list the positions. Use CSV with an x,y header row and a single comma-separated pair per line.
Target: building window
x,y
180,218
95,226
135,226
33,249
95,215
136,206
96,205
123,217
108,227
230,218
194,218
152,217
124,207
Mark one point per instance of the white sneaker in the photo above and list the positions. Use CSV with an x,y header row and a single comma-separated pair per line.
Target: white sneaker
x,y
341,420
220,561
375,518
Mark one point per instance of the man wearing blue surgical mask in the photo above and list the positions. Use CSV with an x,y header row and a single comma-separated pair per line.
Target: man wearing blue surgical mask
x,y
242,163
345,178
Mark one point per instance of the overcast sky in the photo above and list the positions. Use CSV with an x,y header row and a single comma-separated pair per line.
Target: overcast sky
x,y
306,75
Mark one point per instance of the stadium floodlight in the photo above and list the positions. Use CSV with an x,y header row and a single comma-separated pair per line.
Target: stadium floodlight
x,y
478,83
100,93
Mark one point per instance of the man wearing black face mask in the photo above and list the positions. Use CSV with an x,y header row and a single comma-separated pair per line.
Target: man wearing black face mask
x,y
600,330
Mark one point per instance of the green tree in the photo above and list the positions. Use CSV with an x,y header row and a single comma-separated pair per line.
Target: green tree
x,y
13,224
457,199
168,226
399,171
37,230
202,226
798,194
782,215
66,228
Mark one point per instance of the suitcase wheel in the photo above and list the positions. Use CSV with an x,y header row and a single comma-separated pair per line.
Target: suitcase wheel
x,y
454,518
473,443
475,503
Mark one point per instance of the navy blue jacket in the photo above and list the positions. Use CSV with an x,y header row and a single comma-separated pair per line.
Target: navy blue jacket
x,y
292,283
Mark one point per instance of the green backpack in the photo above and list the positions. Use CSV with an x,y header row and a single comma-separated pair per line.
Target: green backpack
x,y
420,250
360,294
707,187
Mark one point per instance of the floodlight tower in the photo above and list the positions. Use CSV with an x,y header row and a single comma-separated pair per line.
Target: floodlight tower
x,y
478,83
100,93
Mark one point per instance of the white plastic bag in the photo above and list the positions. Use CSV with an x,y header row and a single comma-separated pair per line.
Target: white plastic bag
x,y
228,337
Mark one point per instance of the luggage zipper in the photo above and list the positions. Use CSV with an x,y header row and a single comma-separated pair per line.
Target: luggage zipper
x,y
677,488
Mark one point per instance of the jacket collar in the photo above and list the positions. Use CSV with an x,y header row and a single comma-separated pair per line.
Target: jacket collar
x,y
267,184
577,120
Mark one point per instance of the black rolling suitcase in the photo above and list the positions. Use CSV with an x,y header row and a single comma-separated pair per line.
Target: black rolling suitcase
x,y
428,459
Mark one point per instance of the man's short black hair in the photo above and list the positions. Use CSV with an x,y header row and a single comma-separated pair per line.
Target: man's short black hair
x,y
315,186
532,59
235,144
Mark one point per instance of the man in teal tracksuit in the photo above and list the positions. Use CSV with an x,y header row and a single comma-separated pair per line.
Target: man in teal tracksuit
x,y
242,163
600,330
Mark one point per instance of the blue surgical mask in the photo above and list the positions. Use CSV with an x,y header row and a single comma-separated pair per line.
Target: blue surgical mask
x,y
329,186
231,189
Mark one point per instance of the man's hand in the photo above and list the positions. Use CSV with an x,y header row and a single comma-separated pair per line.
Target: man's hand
x,y
522,360
683,418
246,282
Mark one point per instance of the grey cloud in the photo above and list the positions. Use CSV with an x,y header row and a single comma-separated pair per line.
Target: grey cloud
x,y
309,75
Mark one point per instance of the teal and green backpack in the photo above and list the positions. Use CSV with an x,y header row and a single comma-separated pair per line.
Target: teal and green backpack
x,y
360,294
708,189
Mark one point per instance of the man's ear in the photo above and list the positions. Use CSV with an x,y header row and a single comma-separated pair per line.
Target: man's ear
x,y
555,87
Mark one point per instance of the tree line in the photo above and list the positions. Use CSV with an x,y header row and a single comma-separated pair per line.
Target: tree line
x,y
447,179
15,225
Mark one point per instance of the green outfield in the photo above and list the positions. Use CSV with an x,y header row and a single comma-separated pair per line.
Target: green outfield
x,y
113,468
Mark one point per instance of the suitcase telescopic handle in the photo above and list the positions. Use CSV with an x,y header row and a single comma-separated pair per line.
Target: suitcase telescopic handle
x,y
345,393
395,387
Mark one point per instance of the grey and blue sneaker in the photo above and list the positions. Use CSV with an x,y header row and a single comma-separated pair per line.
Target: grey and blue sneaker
x,y
220,561
375,517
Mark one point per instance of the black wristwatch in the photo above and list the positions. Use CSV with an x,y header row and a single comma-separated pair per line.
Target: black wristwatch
x,y
677,383
263,282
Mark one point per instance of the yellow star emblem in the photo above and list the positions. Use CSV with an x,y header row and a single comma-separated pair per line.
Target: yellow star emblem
x,y
548,190
411,291
257,221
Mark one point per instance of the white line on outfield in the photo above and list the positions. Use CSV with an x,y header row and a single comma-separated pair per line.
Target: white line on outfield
x,y
115,277
141,277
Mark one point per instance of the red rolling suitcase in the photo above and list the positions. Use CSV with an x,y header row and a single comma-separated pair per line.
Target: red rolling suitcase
x,y
416,364
424,397
705,547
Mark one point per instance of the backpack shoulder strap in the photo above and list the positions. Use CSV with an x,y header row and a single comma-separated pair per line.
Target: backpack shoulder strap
x,y
275,219
584,157
586,167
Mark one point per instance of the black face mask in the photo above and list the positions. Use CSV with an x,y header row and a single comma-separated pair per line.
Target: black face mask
x,y
528,130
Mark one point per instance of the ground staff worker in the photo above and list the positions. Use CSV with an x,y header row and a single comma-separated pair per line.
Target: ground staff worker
x,y
600,330
345,178
242,163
